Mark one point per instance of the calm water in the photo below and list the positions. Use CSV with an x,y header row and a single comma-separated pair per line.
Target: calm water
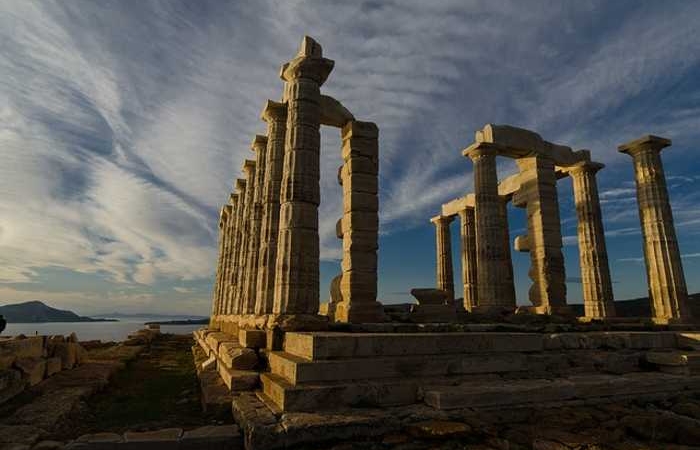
x,y
86,331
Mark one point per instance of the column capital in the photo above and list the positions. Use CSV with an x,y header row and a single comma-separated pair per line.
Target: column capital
x,y
240,185
359,129
223,215
480,149
259,143
233,199
648,142
248,166
582,167
442,220
274,111
309,63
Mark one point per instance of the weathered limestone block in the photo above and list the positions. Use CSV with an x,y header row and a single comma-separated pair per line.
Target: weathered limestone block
x,y
68,352
361,241
252,338
667,288
13,349
33,369
236,357
11,384
53,365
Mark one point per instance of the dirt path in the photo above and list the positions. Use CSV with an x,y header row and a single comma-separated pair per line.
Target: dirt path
x,y
159,389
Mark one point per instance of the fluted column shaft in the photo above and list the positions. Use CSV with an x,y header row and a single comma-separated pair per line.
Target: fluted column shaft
x,y
275,114
443,252
538,189
468,247
245,236
228,253
297,265
593,256
236,225
508,280
259,146
491,254
667,288
216,307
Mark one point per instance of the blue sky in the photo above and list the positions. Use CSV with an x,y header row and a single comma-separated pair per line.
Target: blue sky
x,y
124,123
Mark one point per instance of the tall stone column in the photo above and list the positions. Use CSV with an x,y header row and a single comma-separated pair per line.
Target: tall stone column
x,y
359,224
275,114
508,280
217,303
468,247
598,299
259,146
236,237
667,289
240,291
538,190
443,253
297,265
491,253
228,251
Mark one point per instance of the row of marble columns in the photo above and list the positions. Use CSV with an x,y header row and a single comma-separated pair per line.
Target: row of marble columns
x,y
269,242
487,269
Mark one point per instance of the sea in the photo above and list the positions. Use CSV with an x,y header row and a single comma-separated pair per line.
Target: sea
x,y
88,331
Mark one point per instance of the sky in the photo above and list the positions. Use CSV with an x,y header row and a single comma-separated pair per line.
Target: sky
x,y
124,123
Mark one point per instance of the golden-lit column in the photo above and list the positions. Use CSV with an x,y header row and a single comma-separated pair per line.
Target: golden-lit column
x,y
297,265
598,299
538,190
491,251
236,236
259,146
245,236
275,114
443,253
667,289
217,297
468,248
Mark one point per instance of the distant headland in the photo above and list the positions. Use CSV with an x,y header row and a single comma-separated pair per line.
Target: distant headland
x,y
39,312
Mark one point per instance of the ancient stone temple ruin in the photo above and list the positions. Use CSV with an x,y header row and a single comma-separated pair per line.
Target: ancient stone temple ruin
x,y
301,371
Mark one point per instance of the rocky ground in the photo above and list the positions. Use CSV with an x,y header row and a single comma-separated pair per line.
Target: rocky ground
x,y
666,425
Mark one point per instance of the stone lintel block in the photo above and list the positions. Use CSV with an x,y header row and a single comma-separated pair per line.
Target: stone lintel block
x,y
356,128
644,142
298,215
33,369
360,201
360,220
360,147
364,241
359,164
333,113
252,338
359,261
360,182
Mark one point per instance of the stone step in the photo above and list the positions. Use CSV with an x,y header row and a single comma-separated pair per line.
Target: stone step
x,y
300,370
323,396
501,393
337,345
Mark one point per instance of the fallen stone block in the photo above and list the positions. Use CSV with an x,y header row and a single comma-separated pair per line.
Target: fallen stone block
x,y
212,437
33,369
68,352
53,365
235,357
13,349
11,384
252,338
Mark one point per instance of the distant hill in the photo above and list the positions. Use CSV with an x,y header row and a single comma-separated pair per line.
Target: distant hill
x,y
640,307
117,315
37,312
